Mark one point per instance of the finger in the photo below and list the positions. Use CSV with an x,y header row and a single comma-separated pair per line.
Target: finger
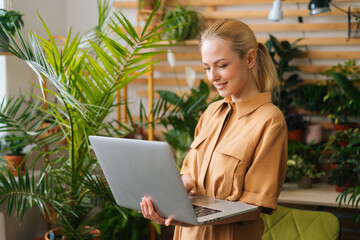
x,y
192,192
154,215
168,221
144,208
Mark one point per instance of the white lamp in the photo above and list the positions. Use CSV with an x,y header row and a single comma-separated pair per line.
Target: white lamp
x,y
275,13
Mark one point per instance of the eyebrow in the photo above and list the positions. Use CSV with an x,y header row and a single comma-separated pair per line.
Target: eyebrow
x,y
221,59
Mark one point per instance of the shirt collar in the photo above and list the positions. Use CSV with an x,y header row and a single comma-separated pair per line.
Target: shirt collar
x,y
248,105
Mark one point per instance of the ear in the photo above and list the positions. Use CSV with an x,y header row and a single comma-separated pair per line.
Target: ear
x,y
251,58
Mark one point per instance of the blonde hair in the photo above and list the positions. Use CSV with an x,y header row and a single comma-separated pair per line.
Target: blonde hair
x,y
242,40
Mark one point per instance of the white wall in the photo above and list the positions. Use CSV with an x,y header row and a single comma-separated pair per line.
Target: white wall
x,y
80,15
19,76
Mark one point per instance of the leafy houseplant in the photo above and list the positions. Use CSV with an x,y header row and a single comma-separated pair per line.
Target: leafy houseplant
x,y
87,74
282,53
147,4
303,163
15,158
9,20
296,126
311,98
179,115
338,105
350,196
186,23
345,154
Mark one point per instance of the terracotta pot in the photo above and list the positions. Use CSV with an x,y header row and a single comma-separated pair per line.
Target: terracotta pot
x,y
342,188
58,236
313,134
14,162
296,135
305,182
343,127
147,4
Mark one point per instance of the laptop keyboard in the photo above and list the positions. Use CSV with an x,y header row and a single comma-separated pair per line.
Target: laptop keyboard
x,y
204,211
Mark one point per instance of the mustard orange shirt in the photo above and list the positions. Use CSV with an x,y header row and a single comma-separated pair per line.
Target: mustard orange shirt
x,y
239,154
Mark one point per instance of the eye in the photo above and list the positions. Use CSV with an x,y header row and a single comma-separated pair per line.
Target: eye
x,y
222,66
206,68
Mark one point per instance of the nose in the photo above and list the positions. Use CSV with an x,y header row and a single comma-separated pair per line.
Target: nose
x,y
213,75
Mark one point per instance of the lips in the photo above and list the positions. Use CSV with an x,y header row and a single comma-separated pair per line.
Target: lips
x,y
220,85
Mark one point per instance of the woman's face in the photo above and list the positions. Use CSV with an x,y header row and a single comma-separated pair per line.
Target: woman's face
x,y
227,71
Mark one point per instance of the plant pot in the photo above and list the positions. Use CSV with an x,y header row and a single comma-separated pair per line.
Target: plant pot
x,y
305,182
343,126
13,162
296,135
342,188
58,236
147,4
3,41
313,134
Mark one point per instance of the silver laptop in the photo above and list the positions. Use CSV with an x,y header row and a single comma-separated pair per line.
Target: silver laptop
x,y
137,168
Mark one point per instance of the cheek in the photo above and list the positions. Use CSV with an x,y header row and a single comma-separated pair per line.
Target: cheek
x,y
230,73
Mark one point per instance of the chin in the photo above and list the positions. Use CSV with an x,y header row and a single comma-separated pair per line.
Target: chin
x,y
223,94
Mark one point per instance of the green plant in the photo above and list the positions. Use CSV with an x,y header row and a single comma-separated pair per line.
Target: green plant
x,y
114,226
86,78
179,116
345,153
282,53
341,83
16,143
311,97
10,20
185,25
303,160
351,197
147,4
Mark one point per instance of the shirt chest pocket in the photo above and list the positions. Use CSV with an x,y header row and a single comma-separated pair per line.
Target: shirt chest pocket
x,y
228,169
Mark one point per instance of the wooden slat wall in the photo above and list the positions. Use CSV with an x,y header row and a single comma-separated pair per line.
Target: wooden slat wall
x,y
324,37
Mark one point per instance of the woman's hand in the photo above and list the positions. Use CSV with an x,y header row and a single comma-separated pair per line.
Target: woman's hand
x,y
189,184
149,212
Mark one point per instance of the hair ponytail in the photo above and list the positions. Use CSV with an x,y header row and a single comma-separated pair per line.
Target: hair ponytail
x,y
264,70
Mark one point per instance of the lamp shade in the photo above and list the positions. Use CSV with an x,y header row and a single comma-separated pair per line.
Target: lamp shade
x,y
275,13
319,6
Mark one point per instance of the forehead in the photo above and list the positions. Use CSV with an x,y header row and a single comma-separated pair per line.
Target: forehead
x,y
214,48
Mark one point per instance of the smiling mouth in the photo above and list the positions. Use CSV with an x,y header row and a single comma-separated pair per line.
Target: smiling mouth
x,y
220,85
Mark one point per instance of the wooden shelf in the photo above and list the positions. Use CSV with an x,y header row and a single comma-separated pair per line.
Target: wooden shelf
x,y
320,194
5,54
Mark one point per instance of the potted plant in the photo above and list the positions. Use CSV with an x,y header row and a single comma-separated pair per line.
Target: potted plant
x,y
296,126
9,20
303,163
183,23
15,158
147,4
338,105
179,116
282,53
310,97
86,81
344,150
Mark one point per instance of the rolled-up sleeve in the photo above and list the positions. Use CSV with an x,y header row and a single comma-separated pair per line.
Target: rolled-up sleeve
x,y
264,179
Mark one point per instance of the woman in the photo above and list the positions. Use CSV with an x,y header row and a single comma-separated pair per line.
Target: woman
x,y
240,148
